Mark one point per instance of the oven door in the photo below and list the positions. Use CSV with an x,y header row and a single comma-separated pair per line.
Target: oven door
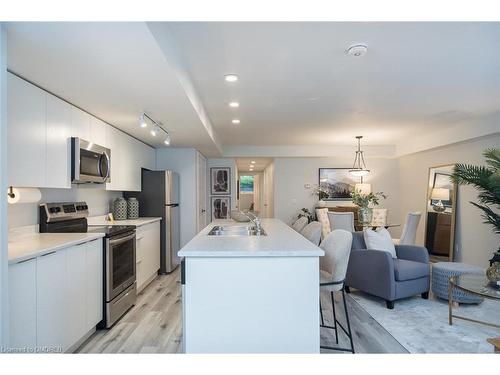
x,y
120,264
90,162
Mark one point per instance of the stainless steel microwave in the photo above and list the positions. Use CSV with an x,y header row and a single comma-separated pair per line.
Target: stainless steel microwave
x,y
89,162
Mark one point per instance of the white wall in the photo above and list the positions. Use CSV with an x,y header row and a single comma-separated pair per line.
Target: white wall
x,y
222,162
291,174
182,161
98,199
475,240
4,326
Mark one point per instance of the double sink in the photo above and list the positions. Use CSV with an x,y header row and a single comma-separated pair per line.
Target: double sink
x,y
236,230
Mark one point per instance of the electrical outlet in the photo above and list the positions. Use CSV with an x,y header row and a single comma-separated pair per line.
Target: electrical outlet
x,y
307,186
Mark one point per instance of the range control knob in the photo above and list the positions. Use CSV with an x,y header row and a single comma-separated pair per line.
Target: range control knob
x,y
54,210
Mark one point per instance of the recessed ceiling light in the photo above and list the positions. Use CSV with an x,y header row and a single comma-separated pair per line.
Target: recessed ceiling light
x,y
235,121
153,132
231,77
253,162
234,104
167,140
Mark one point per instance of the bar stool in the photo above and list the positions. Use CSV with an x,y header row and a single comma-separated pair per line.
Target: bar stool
x,y
333,269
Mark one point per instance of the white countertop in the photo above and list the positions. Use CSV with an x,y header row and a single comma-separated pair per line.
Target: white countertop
x,y
33,245
281,241
100,220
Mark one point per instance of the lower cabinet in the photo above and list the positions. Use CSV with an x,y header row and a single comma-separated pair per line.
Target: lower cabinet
x,y
56,299
147,253
22,302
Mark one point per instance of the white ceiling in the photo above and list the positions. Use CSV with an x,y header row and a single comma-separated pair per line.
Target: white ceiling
x,y
243,164
297,86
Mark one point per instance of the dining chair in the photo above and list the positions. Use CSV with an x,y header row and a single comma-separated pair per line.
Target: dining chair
x,y
379,217
300,223
333,270
312,232
341,220
409,232
322,217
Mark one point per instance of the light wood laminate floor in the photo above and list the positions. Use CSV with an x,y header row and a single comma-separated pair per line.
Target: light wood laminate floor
x,y
154,325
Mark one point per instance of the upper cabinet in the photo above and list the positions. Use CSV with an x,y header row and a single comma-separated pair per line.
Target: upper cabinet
x,y
80,124
98,131
26,133
40,126
58,147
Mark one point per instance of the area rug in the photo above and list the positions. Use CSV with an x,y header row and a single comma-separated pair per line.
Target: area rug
x,y
421,326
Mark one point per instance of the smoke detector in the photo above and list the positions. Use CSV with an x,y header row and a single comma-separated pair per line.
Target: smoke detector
x,y
357,50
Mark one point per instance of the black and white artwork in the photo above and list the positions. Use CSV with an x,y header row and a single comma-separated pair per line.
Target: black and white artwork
x,y
220,181
220,207
338,184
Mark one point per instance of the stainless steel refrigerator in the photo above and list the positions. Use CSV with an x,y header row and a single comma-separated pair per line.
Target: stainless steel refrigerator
x,y
160,197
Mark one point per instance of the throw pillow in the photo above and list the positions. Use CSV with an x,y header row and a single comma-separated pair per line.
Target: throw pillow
x,y
379,239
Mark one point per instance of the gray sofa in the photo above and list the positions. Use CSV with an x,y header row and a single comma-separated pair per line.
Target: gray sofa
x,y
376,272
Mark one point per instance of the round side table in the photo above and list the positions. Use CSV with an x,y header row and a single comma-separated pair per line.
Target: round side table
x,y
441,273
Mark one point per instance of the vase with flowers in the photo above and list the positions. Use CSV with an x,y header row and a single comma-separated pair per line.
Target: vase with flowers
x,y
365,202
322,193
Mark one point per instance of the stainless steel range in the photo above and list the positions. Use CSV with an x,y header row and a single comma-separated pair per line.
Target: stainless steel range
x,y
119,282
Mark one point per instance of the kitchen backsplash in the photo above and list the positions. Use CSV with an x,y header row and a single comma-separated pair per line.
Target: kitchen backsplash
x,y
98,199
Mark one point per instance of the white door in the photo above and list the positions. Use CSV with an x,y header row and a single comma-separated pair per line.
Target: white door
x,y
22,304
201,177
94,280
51,319
268,186
26,133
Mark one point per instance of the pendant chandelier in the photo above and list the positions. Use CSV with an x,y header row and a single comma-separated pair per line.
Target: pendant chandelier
x,y
359,167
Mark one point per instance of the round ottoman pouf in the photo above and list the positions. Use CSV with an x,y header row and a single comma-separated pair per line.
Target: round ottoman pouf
x,y
441,273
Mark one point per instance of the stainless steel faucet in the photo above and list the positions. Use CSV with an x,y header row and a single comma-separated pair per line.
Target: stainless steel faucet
x,y
254,219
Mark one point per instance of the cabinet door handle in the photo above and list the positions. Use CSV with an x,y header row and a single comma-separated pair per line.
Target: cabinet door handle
x,y
44,255
25,260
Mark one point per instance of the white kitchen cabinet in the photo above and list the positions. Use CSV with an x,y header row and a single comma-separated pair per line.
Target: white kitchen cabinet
x,y
39,152
80,124
115,144
22,304
56,298
94,283
76,293
98,132
147,253
58,133
26,133
52,319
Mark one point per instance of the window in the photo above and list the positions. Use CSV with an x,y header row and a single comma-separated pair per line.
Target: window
x,y
246,184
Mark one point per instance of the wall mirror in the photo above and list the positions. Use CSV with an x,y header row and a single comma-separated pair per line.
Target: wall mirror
x,y
441,212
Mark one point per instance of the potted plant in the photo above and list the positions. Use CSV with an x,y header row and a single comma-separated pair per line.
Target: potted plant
x,y
364,201
487,180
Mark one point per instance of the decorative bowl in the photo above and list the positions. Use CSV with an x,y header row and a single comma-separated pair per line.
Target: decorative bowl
x,y
238,216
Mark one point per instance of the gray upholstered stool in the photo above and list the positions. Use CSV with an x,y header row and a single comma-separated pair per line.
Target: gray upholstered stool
x,y
441,273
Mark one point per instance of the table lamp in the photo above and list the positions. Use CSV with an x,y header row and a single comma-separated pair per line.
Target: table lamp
x,y
440,195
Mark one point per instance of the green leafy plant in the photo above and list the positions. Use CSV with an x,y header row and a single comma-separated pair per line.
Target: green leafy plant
x,y
487,180
320,191
364,200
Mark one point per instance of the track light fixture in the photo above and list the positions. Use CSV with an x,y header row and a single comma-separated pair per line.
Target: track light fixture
x,y
157,127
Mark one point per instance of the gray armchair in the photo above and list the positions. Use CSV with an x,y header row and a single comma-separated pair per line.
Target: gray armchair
x,y
376,272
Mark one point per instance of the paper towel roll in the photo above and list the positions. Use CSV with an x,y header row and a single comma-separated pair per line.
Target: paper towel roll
x,y
24,195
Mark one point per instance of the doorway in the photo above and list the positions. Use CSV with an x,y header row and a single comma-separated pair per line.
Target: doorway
x,y
255,185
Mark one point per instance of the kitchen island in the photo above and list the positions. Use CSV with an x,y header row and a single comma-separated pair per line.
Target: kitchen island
x,y
251,294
